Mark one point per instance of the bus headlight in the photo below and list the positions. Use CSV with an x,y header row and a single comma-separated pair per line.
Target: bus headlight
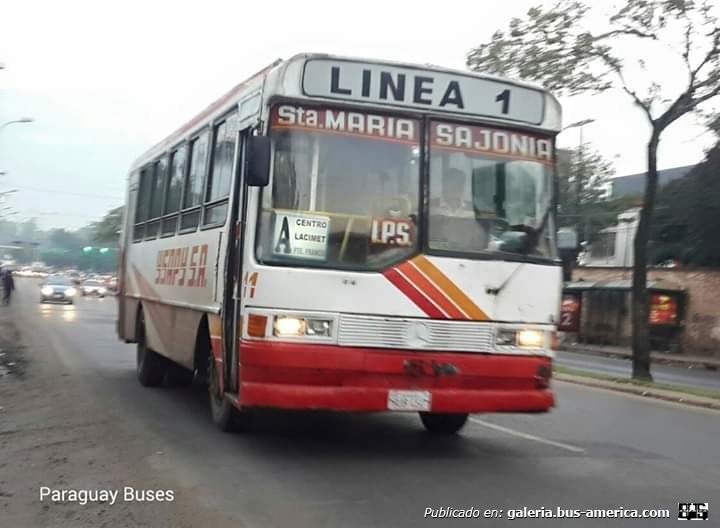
x,y
524,338
530,339
317,327
289,326
286,326
47,291
70,292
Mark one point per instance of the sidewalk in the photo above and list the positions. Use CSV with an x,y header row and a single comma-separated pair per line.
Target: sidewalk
x,y
664,358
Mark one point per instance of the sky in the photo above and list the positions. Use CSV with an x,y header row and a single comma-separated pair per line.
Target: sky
x,y
105,81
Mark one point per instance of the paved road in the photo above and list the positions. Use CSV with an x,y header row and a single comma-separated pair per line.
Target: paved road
x,y
675,375
595,450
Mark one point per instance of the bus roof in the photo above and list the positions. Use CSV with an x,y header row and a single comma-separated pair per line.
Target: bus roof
x,y
371,82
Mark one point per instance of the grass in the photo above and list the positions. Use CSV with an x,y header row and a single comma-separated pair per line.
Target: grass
x,y
705,393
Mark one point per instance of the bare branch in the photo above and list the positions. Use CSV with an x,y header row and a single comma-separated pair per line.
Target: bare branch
x,y
626,31
685,103
614,66
713,52
709,95
686,53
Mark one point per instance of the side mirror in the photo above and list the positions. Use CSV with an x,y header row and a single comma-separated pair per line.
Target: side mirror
x,y
567,238
257,161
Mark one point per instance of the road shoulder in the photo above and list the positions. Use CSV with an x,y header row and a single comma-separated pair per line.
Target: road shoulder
x,y
648,390
58,432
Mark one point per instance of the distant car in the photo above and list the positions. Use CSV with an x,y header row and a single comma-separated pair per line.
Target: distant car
x,y
112,284
93,287
58,289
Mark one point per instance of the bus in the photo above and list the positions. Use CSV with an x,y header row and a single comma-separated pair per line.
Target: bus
x,y
350,235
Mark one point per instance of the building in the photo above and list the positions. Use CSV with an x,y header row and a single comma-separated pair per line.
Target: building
x,y
613,246
634,184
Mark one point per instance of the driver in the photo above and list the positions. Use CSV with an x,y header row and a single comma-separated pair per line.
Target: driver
x,y
451,202
453,225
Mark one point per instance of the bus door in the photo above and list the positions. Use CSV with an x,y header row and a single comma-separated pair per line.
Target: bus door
x,y
233,269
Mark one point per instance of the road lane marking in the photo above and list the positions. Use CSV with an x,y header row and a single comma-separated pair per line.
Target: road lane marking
x,y
527,436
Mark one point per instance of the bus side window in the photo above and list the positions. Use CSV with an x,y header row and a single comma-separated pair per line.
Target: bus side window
x,y
157,197
143,202
174,190
192,200
220,177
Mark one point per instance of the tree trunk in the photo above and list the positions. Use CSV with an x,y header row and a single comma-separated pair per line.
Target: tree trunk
x,y
640,301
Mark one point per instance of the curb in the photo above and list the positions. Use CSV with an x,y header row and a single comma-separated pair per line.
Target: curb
x,y
711,363
647,392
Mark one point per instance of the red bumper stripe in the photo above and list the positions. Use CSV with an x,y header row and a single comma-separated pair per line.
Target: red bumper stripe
x,y
303,376
374,399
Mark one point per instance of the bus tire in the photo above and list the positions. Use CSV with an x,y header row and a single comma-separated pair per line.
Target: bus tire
x,y
443,423
150,365
178,376
226,416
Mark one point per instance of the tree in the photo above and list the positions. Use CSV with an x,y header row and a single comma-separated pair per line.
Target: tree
x,y
63,239
552,46
107,230
583,180
688,219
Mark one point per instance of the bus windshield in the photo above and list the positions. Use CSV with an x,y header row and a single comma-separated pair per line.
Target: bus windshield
x,y
345,189
490,191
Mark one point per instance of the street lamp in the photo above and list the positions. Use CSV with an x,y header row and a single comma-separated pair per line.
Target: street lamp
x,y
578,124
21,120
579,176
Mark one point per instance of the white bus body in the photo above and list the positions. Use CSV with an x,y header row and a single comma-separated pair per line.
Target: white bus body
x,y
402,256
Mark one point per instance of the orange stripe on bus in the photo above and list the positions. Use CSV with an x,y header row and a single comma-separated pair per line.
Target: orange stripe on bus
x,y
450,288
428,288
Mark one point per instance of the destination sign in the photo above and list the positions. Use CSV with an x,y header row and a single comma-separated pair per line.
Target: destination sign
x,y
418,88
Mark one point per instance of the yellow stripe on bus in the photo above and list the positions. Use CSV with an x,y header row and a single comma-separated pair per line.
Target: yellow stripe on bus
x,y
450,289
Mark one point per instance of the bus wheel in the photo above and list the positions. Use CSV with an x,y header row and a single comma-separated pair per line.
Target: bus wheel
x,y
151,366
178,376
444,423
225,415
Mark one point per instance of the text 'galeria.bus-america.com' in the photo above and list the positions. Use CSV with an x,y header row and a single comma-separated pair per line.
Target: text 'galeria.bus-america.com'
x,y
351,235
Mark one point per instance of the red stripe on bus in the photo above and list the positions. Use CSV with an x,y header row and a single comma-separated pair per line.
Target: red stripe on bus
x,y
413,294
431,290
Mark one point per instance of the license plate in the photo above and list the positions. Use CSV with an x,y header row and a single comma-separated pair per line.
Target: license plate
x,y
408,400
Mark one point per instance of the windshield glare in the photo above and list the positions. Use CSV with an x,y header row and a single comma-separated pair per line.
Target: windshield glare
x,y
490,191
345,189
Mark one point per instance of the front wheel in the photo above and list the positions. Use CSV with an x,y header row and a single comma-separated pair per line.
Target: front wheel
x,y
443,423
225,415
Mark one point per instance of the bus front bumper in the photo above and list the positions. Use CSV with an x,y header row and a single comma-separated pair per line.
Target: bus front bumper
x,y
329,377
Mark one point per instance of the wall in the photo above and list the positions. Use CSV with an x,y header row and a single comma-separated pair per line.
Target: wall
x,y
702,316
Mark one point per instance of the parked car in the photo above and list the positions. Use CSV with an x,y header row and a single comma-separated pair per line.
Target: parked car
x,y
58,289
93,287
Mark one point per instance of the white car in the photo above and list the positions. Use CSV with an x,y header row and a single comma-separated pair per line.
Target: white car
x,y
93,287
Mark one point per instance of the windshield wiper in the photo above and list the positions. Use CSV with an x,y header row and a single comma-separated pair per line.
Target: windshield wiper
x,y
532,232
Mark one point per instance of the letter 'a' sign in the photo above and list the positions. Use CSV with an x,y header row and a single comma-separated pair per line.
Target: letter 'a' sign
x,y
301,236
418,88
